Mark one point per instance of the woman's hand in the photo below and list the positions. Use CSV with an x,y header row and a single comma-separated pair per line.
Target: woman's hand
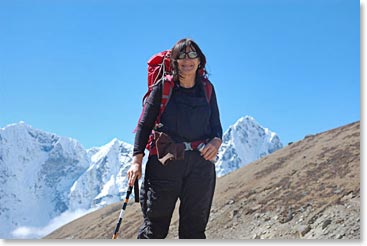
x,y
135,171
211,149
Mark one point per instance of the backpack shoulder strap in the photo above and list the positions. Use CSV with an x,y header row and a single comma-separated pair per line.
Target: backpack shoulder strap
x,y
167,87
208,89
166,84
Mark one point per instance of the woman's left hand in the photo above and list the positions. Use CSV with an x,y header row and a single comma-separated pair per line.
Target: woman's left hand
x,y
211,149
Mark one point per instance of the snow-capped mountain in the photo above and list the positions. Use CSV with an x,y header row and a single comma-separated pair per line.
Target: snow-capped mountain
x,y
37,170
245,142
105,181
43,175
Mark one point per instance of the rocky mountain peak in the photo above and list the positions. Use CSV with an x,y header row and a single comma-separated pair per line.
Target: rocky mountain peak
x,y
244,142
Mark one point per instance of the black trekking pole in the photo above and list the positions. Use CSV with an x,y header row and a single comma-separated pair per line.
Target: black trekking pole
x,y
129,190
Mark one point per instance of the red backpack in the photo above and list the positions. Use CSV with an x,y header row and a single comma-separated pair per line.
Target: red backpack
x,y
159,68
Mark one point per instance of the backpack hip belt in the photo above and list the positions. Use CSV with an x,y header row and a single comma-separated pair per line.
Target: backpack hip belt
x,y
187,146
193,145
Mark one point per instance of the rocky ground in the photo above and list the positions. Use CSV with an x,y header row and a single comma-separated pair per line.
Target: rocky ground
x,y
308,190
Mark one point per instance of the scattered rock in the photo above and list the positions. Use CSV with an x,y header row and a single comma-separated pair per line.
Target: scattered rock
x,y
338,191
286,216
308,136
340,221
252,209
267,218
304,229
346,197
233,213
230,202
326,223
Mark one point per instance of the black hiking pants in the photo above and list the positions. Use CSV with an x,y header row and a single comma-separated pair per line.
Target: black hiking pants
x,y
191,180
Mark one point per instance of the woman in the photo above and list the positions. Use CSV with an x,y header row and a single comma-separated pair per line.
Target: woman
x,y
188,117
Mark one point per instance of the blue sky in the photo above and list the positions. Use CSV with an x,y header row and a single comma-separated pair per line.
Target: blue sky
x,y
78,68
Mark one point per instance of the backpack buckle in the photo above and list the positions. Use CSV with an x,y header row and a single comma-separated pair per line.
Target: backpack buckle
x,y
157,126
187,146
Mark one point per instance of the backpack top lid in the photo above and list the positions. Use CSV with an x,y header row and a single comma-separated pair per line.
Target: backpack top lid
x,y
158,66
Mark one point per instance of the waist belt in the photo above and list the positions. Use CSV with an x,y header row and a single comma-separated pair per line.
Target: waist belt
x,y
193,145
166,149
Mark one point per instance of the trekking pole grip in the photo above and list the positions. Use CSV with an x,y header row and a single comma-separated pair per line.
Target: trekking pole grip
x,y
136,190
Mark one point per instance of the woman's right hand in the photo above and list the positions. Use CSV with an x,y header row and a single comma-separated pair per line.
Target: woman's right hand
x,y
135,171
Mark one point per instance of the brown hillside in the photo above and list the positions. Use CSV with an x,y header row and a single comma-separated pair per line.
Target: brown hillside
x,y
309,189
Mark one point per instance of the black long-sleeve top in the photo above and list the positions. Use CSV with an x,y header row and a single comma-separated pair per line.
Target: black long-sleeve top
x,y
188,116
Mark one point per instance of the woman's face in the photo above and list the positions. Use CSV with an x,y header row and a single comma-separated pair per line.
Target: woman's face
x,y
188,62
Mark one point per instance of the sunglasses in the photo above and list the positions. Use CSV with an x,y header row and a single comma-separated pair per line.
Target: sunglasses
x,y
190,55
